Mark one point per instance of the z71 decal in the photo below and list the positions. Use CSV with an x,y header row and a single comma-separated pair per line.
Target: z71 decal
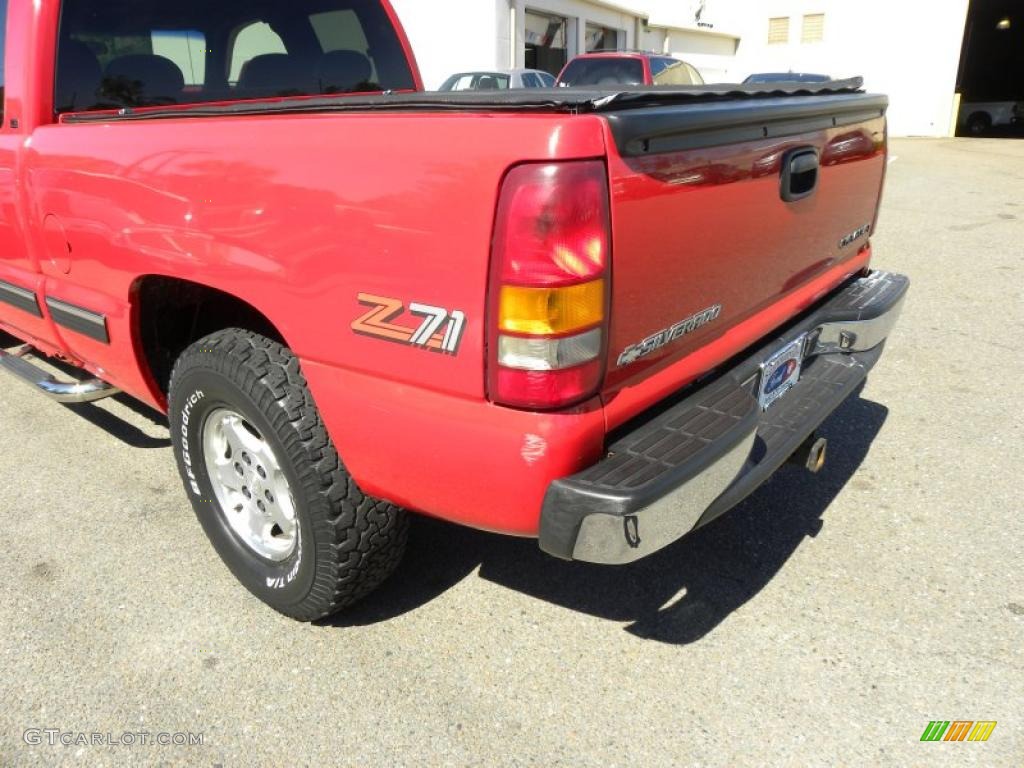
x,y
439,330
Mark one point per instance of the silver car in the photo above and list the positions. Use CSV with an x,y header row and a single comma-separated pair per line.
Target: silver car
x,y
498,80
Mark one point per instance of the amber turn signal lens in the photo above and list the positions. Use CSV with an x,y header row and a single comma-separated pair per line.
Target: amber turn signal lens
x,y
551,311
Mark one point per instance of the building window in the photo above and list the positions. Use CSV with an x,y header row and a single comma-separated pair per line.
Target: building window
x,y
546,42
602,38
778,30
814,28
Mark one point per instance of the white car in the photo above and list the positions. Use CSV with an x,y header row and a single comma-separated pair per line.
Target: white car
x,y
498,80
977,117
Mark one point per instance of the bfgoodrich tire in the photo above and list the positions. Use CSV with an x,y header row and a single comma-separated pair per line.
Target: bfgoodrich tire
x,y
266,482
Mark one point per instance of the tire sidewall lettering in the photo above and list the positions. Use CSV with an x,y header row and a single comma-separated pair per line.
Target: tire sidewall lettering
x,y
285,582
186,454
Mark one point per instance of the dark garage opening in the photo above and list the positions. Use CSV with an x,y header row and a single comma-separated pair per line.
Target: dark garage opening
x,y
991,77
546,42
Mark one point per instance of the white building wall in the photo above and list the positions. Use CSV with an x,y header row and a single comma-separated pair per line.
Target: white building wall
x,y
453,36
908,50
462,35
911,51
712,54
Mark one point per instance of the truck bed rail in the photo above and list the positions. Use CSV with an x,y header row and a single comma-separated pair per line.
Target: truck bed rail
x,y
551,100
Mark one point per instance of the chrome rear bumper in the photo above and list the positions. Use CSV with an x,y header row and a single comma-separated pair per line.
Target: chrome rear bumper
x,y
698,458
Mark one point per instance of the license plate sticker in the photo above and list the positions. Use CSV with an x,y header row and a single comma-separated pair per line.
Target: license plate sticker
x,y
781,372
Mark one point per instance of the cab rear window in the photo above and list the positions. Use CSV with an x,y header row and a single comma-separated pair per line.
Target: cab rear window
x,y
605,71
143,53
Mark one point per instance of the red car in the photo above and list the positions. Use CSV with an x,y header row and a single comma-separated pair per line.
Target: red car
x,y
612,68
594,320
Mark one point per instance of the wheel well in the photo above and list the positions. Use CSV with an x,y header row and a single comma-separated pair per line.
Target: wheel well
x,y
171,314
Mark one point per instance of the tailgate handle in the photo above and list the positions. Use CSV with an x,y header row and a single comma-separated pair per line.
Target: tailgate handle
x,y
799,174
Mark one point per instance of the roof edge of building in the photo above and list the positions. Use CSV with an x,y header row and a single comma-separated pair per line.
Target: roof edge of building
x,y
656,24
621,7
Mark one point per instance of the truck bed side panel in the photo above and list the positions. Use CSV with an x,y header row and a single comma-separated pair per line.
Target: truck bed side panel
x,y
298,216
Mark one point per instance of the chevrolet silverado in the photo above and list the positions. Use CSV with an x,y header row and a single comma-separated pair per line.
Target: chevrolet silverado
x,y
594,317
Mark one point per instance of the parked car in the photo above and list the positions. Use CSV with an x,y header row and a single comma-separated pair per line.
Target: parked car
x,y
627,68
590,320
500,80
978,117
786,77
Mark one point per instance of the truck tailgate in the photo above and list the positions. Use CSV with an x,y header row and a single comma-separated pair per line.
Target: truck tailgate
x,y
723,209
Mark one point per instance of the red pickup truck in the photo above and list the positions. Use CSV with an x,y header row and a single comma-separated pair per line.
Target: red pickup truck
x,y
598,318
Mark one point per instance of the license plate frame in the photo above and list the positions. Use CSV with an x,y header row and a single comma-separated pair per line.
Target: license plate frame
x,y
781,372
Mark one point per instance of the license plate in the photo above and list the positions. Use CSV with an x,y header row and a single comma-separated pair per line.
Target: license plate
x,y
781,372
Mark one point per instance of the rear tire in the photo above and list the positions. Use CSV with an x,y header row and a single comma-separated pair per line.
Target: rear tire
x,y
325,545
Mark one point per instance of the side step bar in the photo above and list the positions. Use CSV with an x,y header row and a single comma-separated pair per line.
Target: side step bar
x,y
86,391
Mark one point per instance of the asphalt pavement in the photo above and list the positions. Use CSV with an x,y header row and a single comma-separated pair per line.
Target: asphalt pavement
x,y
824,622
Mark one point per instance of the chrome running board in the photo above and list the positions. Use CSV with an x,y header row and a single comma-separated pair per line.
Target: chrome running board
x,y
87,391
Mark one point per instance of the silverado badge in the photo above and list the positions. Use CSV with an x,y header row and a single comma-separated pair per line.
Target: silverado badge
x,y
660,339
853,237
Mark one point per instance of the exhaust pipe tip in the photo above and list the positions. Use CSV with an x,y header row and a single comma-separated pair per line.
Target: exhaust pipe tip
x,y
816,455
812,454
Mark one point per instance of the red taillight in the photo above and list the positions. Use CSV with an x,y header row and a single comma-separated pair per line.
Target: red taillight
x,y
549,285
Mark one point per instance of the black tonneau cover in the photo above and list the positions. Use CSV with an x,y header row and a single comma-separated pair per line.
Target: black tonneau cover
x,y
644,120
564,100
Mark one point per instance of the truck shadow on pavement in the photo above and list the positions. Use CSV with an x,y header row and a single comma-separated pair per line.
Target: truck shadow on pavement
x,y
676,596
115,425
110,420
